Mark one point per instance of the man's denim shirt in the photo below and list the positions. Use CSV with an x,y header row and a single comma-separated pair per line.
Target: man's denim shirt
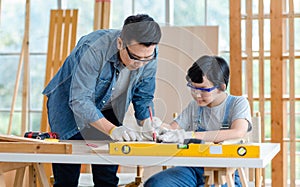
x,y
83,85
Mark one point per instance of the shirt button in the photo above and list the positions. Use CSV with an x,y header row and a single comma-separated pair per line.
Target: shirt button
x,y
113,89
103,101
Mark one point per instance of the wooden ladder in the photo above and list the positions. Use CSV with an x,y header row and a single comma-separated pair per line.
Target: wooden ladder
x,y
62,38
61,41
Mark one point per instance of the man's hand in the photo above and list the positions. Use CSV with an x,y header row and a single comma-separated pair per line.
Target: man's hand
x,y
122,133
152,126
176,136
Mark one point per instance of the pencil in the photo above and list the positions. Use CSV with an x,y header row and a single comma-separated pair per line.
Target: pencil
x,y
151,118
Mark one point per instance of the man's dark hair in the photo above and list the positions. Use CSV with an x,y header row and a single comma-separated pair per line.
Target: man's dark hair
x,y
142,29
214,68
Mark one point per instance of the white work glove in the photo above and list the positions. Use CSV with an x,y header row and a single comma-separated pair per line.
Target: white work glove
x,y
176,136
152,126
122,133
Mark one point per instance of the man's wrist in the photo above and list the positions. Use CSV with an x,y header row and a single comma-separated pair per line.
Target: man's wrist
x,y
111,130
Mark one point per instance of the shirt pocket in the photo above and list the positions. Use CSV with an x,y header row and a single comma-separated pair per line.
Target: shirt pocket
x,y
102,89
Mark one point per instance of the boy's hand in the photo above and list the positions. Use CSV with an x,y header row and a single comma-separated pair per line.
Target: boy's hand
x,y
176,136
151,126
122,133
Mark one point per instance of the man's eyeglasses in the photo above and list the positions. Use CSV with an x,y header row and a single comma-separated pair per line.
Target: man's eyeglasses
x,y
141,60
202,91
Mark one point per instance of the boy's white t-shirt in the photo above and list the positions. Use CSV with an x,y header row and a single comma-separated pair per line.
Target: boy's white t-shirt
x,y
211,118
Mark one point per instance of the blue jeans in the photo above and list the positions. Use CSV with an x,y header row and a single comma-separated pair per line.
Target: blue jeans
x,y
182,176
67,175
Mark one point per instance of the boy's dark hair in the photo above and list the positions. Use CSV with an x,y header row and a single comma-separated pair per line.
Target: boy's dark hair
x,y
142,29
214,68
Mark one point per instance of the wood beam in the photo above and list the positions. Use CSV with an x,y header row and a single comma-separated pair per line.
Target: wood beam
x,y
277,125
235,48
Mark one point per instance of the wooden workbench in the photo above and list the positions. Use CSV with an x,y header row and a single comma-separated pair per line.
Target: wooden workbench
x,y
96,152
20,145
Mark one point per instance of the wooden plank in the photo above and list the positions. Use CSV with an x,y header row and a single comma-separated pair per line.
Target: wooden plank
x,y
28,145
41,174
11,138
243,177
249,61
26,72
292,89
32,176
97,14
74,29
261,60
258,178
105,14
261,67
16,88
101,14
48,171
5,166
277,131
19,177
33,147
235,48
48,73
66,35
58,41
2,180
50,52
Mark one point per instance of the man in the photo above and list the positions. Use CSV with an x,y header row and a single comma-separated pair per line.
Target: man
x,y
90,94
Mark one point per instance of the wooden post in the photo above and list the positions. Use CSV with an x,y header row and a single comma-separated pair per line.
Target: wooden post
x,y
24,57
235,48
261,61
101,14
16,88
26,77
261,65
292,93
277,125
249,60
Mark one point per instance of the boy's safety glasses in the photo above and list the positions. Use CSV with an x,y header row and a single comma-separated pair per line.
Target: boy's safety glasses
x,y
202,91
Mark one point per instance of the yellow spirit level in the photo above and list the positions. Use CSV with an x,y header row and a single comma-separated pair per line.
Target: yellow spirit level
x,y
184,150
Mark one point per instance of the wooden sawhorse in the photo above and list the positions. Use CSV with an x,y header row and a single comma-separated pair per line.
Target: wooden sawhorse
x,y
36,171
219,176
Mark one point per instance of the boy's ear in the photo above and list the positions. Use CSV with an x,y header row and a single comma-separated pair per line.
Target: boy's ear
x,y
223,87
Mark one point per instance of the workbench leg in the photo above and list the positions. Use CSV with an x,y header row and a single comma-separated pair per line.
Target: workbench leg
x,y
206,181
32,176
251,172
2,180
242,176
40,171
209,176
230,181
19,178
138,179
258,177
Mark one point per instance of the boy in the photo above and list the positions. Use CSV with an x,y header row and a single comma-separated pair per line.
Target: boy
x,y
213,116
